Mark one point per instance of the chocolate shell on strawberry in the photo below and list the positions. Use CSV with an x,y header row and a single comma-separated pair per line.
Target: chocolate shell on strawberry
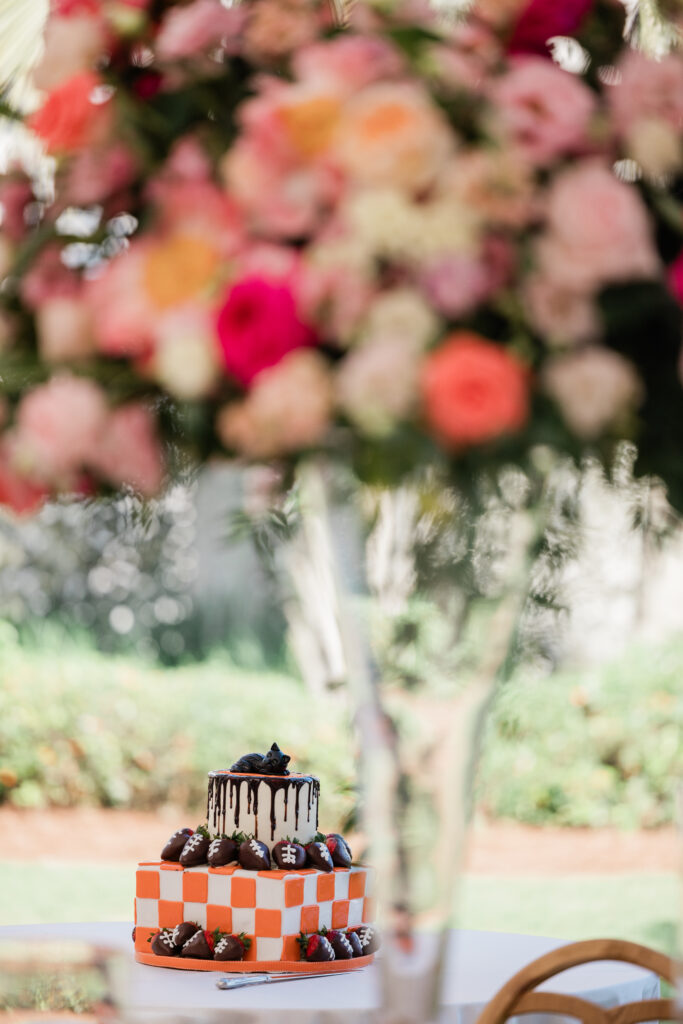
x,y
199,947
354,942
369,938
254,856
175,845
343,950
231,947
196,849
340,851
162,943
317,949
319,856
221,852
183,932
289,856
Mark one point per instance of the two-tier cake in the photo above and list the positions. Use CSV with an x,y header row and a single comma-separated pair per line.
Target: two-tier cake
x,y
258,887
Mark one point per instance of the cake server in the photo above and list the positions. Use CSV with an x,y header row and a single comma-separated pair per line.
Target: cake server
x,y
264,979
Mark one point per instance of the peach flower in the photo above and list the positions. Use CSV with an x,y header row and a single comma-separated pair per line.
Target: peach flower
x,y
287,409
177,269
129,453
275,28
473,391
58,428
497,186
72,45
544,112
64,329
70,117
392,134
594,388
123,319
598,230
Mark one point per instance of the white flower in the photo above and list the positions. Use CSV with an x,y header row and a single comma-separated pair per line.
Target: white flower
x,y
594,388
377,384
185,360
402,315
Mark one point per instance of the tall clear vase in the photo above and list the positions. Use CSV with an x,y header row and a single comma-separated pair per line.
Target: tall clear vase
x,y
429,598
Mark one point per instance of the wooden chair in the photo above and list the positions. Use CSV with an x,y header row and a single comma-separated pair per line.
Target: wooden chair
x,y
518,997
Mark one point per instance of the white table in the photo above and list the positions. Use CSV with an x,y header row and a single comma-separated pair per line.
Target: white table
x,y
480,963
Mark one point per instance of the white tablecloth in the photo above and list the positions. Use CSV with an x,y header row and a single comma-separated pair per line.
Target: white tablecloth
x,y
480,962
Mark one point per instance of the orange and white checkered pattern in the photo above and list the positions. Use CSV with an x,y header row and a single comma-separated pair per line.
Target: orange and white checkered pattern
x,y
271,907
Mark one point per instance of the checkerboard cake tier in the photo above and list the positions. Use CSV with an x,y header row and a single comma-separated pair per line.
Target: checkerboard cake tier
x,y
271,907
269,807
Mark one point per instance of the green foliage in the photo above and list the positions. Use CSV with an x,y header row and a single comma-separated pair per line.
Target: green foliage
x,y
603,747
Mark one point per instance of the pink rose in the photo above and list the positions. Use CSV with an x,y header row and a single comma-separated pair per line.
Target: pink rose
x,y
188,161
598,230
257,325
64,329
545,112
199,208
455,284
559,315
15,194
541,20
190,30
274,29
48,278
348,63
123,319
288,409
129,453
594,387
647,90
58,428
378,384
95,174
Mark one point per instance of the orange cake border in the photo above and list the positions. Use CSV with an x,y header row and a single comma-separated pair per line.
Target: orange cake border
x,y
255,966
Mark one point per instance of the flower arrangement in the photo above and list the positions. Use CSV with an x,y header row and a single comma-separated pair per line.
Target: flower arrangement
x,y
400,240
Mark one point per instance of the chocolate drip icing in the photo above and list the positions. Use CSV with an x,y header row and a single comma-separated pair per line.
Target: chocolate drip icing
x,y
224,792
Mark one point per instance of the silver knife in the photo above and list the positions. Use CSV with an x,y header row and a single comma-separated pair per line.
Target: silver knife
x,y
241,981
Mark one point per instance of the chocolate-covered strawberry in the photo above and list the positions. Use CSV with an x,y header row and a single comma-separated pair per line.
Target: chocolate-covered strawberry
x,y
176,844
319,856
369,938
354,942
200,946
183,932
343,950
254,856
288,855
196,849
231,947
222,851
162,943
340,851
316,948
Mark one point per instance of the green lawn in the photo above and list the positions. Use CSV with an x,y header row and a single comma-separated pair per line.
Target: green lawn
x,y
642,907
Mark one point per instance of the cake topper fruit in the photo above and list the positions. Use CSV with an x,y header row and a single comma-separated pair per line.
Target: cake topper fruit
x,y
354,942
254,855
272,763
183,932
343,950
319,856
315,948
222,851
340,851
175,845
231,947
369,938
289,854
196,848
200,946
163,944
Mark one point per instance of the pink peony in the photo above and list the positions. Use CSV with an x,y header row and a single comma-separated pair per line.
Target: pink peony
x,y
58,428
456,284
257,325
541,20
198,208
129,452
288,409
598,230
73,42
559,315
64,329
188,161
594,387
15,194
48,278
190,30
274,29
545,112
123,319
96,174
348,63
647,89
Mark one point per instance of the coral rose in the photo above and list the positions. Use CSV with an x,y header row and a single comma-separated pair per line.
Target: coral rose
x,y
22,496
473,390
258,324
70,118
393,134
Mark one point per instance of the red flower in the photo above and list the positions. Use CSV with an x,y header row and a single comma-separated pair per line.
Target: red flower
x,y
69,119
676,278
474,391
257,326
17,493
543,19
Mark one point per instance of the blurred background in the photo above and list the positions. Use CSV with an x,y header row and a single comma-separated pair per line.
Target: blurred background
x,y
142,646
